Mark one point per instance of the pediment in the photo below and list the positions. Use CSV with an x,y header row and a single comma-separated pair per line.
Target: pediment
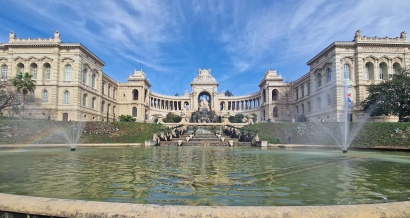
x,y
67,60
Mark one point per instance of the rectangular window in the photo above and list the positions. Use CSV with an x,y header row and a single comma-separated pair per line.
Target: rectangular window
x,y
45,96
4,70
35,73
84,100
66,97
297,93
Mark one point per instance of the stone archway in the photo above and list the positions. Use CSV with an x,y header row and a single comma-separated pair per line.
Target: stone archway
x,y
204,100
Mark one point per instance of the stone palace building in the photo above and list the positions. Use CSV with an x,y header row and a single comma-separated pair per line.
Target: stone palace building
x,y
72,85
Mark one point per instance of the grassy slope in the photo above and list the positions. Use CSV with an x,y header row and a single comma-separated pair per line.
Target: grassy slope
x,y
370,134
49,132
56,132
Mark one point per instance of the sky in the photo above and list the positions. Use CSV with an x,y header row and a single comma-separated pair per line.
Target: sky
x,y
170,40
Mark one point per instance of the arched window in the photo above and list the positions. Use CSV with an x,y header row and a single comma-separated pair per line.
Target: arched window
x,y
134,111
108,108
33,69
66,97
114,93
4,70
319,80
47,71
297,110
135,94
383,71
302,88
346,71
67,73
85,76
102,88
329,75
45,96
368,73
396,67
93,103
319,103
303,108
93,81
275,95
109,91
275,112
309,107
20,68
84,100
102,106
308,88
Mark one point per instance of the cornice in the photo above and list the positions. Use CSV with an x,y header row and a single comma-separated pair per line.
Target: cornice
x,y
383,44
307,75
81,46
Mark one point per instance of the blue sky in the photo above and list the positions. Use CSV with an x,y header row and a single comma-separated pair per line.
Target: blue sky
x,y
238,39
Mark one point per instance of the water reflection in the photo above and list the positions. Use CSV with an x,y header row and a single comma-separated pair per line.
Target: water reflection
x,y
207,175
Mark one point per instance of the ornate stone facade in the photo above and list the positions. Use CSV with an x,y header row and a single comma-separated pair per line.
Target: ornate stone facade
x,y
72,85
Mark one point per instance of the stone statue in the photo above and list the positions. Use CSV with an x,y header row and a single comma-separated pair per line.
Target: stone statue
x,y
204,104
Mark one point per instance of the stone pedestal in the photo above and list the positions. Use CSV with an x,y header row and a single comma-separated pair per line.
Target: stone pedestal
x,y
264,143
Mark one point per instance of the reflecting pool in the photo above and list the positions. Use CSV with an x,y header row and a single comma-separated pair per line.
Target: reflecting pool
x,y
208,175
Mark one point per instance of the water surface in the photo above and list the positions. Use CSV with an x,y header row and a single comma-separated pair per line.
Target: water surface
x,y
208,175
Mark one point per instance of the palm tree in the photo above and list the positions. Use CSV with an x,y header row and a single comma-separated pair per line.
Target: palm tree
x,y
24,84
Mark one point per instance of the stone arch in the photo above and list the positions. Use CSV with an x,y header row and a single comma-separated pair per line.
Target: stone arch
x,y
383,70
186,105
222,105
275,112
34,70
369,71
46,70
135,94
205,96
20,68
396,67
134,111
275,95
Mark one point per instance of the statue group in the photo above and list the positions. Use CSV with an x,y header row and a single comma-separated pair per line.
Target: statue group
x,y
204,115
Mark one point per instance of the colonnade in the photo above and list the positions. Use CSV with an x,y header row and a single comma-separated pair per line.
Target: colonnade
x,y
171,105
241,104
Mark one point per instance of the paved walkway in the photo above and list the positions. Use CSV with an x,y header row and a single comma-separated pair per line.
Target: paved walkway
x,y
79,208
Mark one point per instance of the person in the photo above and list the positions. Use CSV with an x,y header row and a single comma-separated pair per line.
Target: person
x,y
290,139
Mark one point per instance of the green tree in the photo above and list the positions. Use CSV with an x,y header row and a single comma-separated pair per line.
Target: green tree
x,y
24,85
172,118
390,97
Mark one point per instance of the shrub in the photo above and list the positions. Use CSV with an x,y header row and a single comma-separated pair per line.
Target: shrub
x,y
127,118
